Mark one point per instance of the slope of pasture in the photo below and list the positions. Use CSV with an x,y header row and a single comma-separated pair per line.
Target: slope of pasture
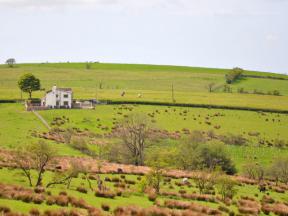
x,y
17,125
131,195
108,81
270,126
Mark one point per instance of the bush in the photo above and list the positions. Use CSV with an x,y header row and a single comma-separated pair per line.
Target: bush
x,y
50,200
152,196
38,199
276,93
105,194
62,200
34,212
233,75
82,189
4,209
39,190
105,207
231,139
63,193
94,212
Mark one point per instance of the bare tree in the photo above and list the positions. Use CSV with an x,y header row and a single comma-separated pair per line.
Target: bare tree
x,y
279,170
42,153
65,178
226,187
210,87
36,156
205,180
254,171
23,161
10,62
135,131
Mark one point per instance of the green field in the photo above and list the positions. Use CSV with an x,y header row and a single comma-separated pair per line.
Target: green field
x,y
154,83
17,126
265,133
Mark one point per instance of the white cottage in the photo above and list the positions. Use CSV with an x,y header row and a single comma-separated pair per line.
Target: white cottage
x,y
58,98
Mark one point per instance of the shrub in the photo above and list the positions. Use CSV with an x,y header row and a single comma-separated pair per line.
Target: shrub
x,y
232,139
94,212
174,204
4,209
115,179
39,190
51,200
105,194
233,75
152,196
78,203
130,182
105,207
38,199
62,200
182,191
107,179
34,212
63,193
276,93
81,189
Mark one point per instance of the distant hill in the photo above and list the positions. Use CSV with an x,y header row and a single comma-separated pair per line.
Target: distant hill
x,y
151,83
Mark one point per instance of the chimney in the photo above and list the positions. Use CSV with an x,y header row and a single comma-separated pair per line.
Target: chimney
x,y
54,88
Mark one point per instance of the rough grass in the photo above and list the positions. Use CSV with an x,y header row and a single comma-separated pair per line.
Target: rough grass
x,y
17,126
134,198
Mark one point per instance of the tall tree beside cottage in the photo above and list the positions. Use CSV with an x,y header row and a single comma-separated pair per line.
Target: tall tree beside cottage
x,y
29,83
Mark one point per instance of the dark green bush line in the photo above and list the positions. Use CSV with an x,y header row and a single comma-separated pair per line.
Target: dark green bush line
x,y
155,103
265,77
208,106
11,101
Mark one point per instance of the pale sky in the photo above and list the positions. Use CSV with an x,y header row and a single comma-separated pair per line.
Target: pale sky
x,y
252,34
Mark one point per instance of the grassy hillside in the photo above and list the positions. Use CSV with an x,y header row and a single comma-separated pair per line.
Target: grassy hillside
x,y
154,83
264,134
18,125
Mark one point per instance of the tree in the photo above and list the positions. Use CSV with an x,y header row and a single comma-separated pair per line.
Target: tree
x,y
23,161
88,65
35,156
226,187
29,83
210,87
196,154
279,170
254,171
11,62
234,75
135,131
66,176
42,154
205,180
154,179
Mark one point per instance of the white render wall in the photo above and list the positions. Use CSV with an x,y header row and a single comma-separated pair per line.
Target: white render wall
x,y
57,95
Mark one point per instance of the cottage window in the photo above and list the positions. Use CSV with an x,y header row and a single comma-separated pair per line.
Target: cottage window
x,y
65,96
56,95
66,103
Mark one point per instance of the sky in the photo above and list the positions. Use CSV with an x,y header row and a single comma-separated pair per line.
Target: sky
x,y
251,34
